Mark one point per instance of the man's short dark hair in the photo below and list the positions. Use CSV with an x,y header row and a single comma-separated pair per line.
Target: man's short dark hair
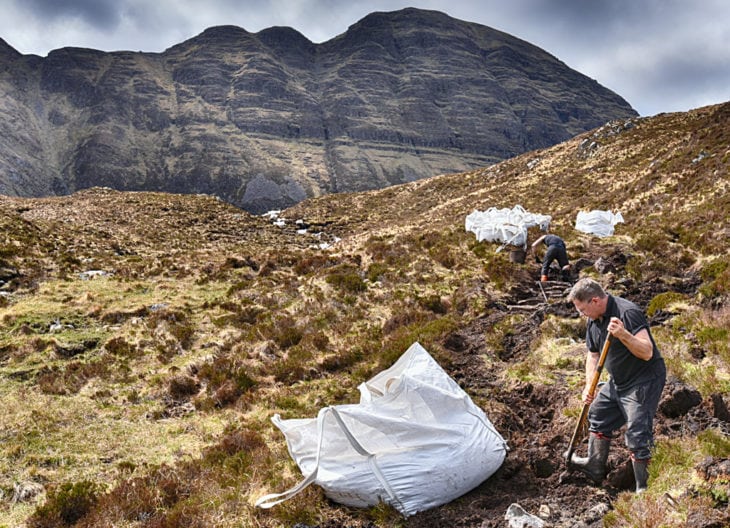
x,y
586,289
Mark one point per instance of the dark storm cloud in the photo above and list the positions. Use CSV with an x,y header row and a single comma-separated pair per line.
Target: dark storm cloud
x,y
104,14
681,81
660,55
584,15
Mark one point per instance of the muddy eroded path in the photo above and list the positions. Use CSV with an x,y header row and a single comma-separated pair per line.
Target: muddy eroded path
x,y
530,416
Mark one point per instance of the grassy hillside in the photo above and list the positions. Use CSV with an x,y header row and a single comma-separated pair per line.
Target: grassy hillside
x,y
147,339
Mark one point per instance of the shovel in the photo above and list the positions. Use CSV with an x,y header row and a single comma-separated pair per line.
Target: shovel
x,y
584,412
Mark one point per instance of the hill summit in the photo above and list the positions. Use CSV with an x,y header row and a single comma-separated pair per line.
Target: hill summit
x,y
264,120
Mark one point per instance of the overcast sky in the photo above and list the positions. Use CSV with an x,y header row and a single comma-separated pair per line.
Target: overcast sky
x,y
659,55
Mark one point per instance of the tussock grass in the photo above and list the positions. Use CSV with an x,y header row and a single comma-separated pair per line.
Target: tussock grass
x,y
697,349
676,494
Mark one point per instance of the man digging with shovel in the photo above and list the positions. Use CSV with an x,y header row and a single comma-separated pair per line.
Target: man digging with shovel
x,y
555,250
637,377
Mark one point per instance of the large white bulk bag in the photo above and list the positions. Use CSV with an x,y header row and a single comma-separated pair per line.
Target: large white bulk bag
x,y
504,225
599,223
415,441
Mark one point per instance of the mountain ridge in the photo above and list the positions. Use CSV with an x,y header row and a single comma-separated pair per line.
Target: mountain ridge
x,y
264,120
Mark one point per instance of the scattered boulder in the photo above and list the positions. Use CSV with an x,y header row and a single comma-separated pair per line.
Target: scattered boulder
x,y
519,518
587,148
603,266
27,491
702,155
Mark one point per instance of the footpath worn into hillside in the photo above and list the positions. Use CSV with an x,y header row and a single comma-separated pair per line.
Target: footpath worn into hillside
x,y
532,418
533,474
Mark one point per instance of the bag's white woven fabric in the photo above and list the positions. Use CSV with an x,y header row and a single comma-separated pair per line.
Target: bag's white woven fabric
x,y
415,441
599,223
504,225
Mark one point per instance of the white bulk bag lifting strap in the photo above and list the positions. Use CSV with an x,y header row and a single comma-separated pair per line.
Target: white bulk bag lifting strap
x,y
268,501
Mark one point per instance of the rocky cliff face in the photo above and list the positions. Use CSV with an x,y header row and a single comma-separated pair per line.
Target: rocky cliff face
x,y
265,120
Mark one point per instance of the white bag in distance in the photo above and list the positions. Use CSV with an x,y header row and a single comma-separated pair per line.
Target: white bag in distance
x,y
415,441
508,226
599,223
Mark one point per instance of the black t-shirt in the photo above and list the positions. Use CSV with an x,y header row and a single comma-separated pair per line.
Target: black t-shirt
x,y
553,240
626,369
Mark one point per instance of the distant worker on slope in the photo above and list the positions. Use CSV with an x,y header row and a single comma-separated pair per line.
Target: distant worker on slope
x,y
555,251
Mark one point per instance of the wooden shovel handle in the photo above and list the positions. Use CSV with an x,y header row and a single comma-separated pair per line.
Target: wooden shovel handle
x,y
584,412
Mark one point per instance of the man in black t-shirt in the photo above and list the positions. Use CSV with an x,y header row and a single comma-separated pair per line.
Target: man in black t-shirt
x,y
637,377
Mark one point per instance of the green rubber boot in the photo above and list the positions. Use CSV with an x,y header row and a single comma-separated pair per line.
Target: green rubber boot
x,y
641,473
594,465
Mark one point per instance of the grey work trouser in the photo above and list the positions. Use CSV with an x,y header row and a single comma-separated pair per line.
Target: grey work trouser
x,y
554,252
635,407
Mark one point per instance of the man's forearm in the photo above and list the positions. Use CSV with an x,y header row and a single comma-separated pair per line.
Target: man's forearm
x,y
639,345
591,363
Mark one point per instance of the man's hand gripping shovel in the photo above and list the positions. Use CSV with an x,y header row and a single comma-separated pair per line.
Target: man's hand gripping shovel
x,y
580,427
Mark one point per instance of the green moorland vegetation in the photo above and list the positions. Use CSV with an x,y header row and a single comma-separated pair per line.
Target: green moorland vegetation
x,y
147,339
